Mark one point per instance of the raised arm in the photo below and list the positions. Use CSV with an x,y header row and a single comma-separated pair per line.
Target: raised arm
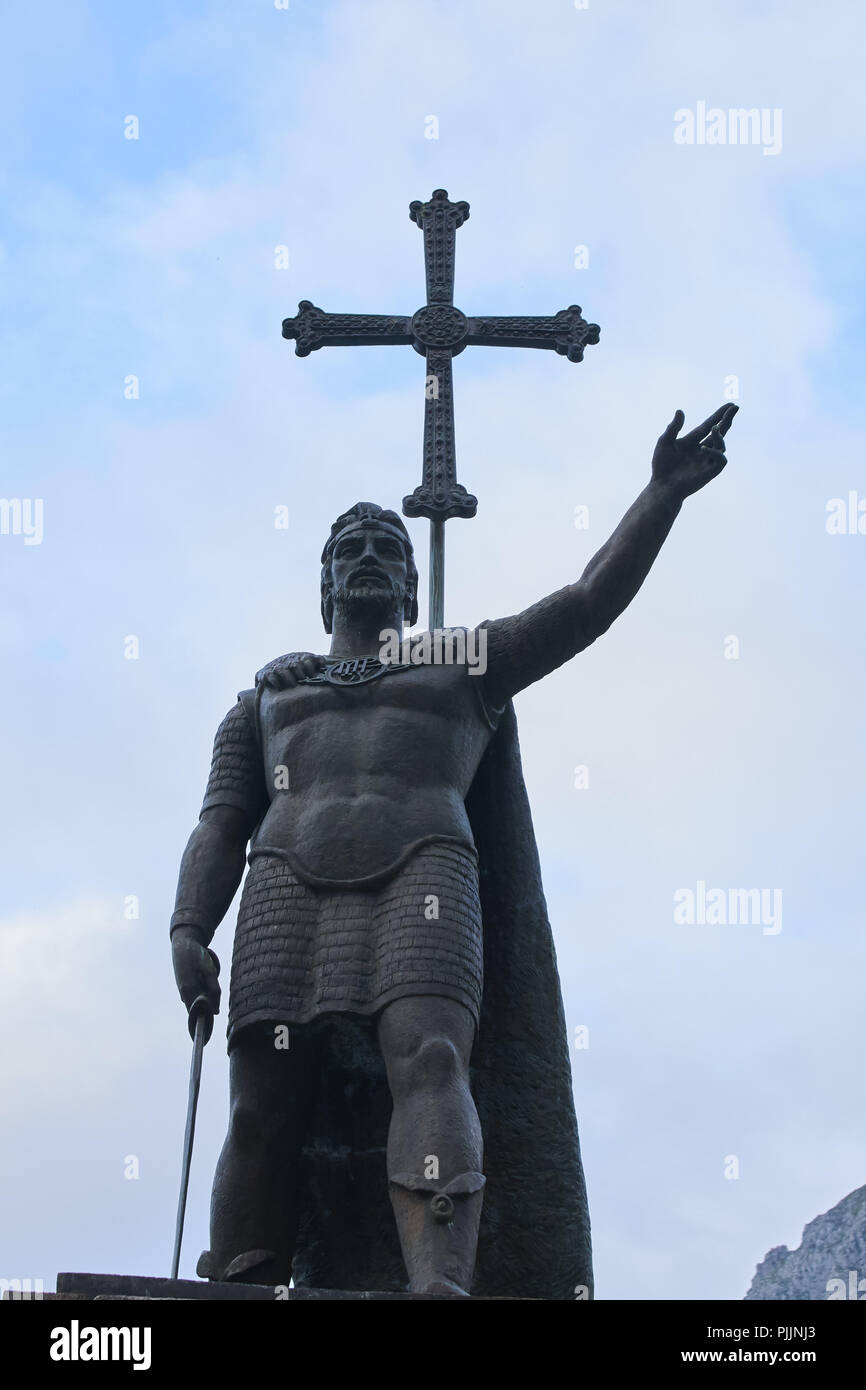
x,y
523,648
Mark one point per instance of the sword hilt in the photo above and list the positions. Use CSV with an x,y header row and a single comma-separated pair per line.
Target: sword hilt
x,y
201,1007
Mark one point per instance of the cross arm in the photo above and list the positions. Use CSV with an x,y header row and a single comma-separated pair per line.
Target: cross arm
x,y
313,328
567,332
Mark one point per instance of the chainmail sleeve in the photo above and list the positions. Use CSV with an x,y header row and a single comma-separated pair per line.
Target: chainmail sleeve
x,y
236,779
236,775
523,648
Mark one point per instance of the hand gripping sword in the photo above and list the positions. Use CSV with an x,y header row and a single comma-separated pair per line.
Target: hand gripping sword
x,y
200,1023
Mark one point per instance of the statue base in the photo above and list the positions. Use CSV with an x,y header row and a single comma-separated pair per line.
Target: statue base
x,y
113,1287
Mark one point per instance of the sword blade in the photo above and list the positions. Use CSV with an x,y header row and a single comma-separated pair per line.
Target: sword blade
x,y
192,1104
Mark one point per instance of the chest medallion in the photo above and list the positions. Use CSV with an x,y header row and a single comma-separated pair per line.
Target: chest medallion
x,y
360,670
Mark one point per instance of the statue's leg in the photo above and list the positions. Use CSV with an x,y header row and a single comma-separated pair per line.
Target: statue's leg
x,y
434,1143
254,1203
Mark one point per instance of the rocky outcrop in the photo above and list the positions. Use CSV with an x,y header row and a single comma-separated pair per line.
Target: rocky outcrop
x,y
829,1263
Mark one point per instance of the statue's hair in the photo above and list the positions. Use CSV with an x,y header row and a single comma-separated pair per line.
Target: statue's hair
x,y
361,512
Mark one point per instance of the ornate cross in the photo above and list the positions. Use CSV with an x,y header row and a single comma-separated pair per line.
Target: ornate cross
x,y
439,331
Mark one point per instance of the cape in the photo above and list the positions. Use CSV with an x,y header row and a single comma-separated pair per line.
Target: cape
x,y
534,1239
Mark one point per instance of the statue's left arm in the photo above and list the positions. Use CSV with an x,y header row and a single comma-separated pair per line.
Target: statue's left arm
x,y
523,648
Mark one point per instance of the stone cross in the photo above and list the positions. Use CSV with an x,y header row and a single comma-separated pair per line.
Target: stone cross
x,y
439,331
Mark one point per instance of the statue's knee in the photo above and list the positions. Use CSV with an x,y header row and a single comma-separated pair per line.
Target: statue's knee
x,y
254,1125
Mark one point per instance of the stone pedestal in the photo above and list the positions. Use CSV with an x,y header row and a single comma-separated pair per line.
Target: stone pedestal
x,y
138,1287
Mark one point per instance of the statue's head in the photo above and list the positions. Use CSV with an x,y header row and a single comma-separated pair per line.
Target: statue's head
x,y
367,563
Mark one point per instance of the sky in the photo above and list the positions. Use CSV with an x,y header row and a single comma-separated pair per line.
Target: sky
x,y
154,420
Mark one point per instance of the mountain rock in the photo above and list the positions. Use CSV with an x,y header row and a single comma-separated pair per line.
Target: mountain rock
x,y
829,1263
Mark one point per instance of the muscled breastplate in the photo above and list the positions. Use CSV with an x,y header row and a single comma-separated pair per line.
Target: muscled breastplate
x,y
366,761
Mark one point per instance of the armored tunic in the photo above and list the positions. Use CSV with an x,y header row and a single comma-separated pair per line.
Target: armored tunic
x,y
399,913
354,902
301,951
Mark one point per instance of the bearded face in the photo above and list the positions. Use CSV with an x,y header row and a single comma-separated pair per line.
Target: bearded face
x,y
370,575
367,595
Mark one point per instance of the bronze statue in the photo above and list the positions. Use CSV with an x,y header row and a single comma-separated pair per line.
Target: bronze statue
x,y
392,951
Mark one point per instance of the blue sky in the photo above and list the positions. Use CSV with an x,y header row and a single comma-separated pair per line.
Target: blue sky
x,y
155,258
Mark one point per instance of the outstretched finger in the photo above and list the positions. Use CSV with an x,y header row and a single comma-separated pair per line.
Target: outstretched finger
x,y
673,429
696,435
725,424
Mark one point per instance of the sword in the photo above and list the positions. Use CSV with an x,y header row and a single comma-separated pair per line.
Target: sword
x,y
200,1023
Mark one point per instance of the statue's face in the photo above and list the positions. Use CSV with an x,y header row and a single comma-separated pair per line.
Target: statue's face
x,y
369,571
